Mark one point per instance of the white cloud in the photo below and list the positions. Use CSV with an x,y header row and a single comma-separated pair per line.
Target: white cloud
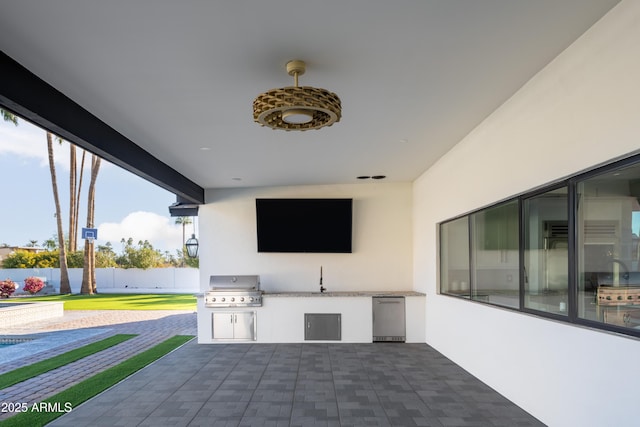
x,y
29,141
159,230
23,140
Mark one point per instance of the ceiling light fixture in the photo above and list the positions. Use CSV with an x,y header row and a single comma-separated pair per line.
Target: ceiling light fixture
x,y
297,107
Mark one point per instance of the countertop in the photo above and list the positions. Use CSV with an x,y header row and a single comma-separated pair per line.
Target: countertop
x,y
345,294
290,294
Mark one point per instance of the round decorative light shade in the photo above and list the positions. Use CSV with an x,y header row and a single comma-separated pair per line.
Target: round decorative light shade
x,y
297,107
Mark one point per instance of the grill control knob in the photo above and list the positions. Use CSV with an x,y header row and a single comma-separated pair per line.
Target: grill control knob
x,y
213,299
222,299
241,299
251,299
232,299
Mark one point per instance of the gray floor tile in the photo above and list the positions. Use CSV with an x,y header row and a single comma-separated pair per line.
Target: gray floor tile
x,y
301,385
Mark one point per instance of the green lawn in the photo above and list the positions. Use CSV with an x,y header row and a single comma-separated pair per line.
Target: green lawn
x,y
26,372
123,301
42,413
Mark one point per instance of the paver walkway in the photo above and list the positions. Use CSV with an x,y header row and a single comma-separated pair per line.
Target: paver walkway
x,y
152,328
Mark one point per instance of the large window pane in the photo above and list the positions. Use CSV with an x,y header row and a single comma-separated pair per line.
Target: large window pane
x,y
546,252
608,227
454,257
495,243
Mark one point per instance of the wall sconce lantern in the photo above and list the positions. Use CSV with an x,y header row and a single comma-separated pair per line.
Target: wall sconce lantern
x,y
192,247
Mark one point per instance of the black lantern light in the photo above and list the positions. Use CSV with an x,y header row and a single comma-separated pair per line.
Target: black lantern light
x,y
192,247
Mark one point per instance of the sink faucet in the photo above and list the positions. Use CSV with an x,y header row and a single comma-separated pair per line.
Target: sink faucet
x,y
322,288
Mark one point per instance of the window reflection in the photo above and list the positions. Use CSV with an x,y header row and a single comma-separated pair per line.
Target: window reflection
x,y
480,253
608,219
454,257
495,244
546,256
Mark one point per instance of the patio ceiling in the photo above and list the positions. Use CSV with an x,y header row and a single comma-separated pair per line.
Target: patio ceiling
x,y
178,79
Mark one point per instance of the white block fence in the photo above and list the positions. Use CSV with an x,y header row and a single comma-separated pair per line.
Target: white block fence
x,y
115,280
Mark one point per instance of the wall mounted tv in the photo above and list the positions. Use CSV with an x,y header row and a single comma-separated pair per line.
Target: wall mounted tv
x,y
304,225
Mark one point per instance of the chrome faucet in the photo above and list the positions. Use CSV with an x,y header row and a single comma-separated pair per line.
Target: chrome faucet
x,y
322,288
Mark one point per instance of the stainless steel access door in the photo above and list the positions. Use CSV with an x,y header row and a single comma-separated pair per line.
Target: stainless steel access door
x,y
389,319
245,326
239,325
323,326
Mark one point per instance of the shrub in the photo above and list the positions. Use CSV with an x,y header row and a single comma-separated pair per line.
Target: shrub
x,y
33,285
74,259
20,259
7,287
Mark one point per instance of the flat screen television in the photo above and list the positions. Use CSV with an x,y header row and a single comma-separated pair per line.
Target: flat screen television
x,y
304,225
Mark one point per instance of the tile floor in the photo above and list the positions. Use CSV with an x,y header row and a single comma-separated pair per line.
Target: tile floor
x,y
300,385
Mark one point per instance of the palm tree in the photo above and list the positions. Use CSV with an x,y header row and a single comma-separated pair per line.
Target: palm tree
x,y
65,286
184,220
9,117
89,270
75,188
73,180
50,244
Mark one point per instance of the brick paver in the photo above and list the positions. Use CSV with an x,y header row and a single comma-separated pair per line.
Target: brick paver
x,y
152,328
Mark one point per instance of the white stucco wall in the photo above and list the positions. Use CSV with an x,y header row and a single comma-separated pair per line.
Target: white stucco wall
x,y
382,242
580,111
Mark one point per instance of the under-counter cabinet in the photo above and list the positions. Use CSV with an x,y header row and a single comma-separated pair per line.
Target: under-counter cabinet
x,y
240,325
322,327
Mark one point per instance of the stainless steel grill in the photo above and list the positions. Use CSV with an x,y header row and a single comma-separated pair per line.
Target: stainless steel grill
x,y
233,291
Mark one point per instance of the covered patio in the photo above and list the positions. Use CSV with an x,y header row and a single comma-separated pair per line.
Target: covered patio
x,y
301,385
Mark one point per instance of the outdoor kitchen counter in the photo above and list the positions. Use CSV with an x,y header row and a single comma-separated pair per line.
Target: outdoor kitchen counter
x,y
345,294
281,317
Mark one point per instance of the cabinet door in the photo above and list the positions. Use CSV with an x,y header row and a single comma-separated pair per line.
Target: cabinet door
x,y
244,325
322,326
222,325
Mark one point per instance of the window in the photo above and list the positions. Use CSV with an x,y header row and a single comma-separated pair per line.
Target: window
x,y
495,274
454,257
608,218
546,252
569,251
479,256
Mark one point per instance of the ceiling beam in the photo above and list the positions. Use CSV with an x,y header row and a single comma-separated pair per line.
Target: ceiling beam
x,y
31,98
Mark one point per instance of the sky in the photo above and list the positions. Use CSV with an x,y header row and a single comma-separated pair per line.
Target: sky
x,y
126,205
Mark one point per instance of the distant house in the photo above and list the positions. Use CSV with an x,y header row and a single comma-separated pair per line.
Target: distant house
x,y
5,251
